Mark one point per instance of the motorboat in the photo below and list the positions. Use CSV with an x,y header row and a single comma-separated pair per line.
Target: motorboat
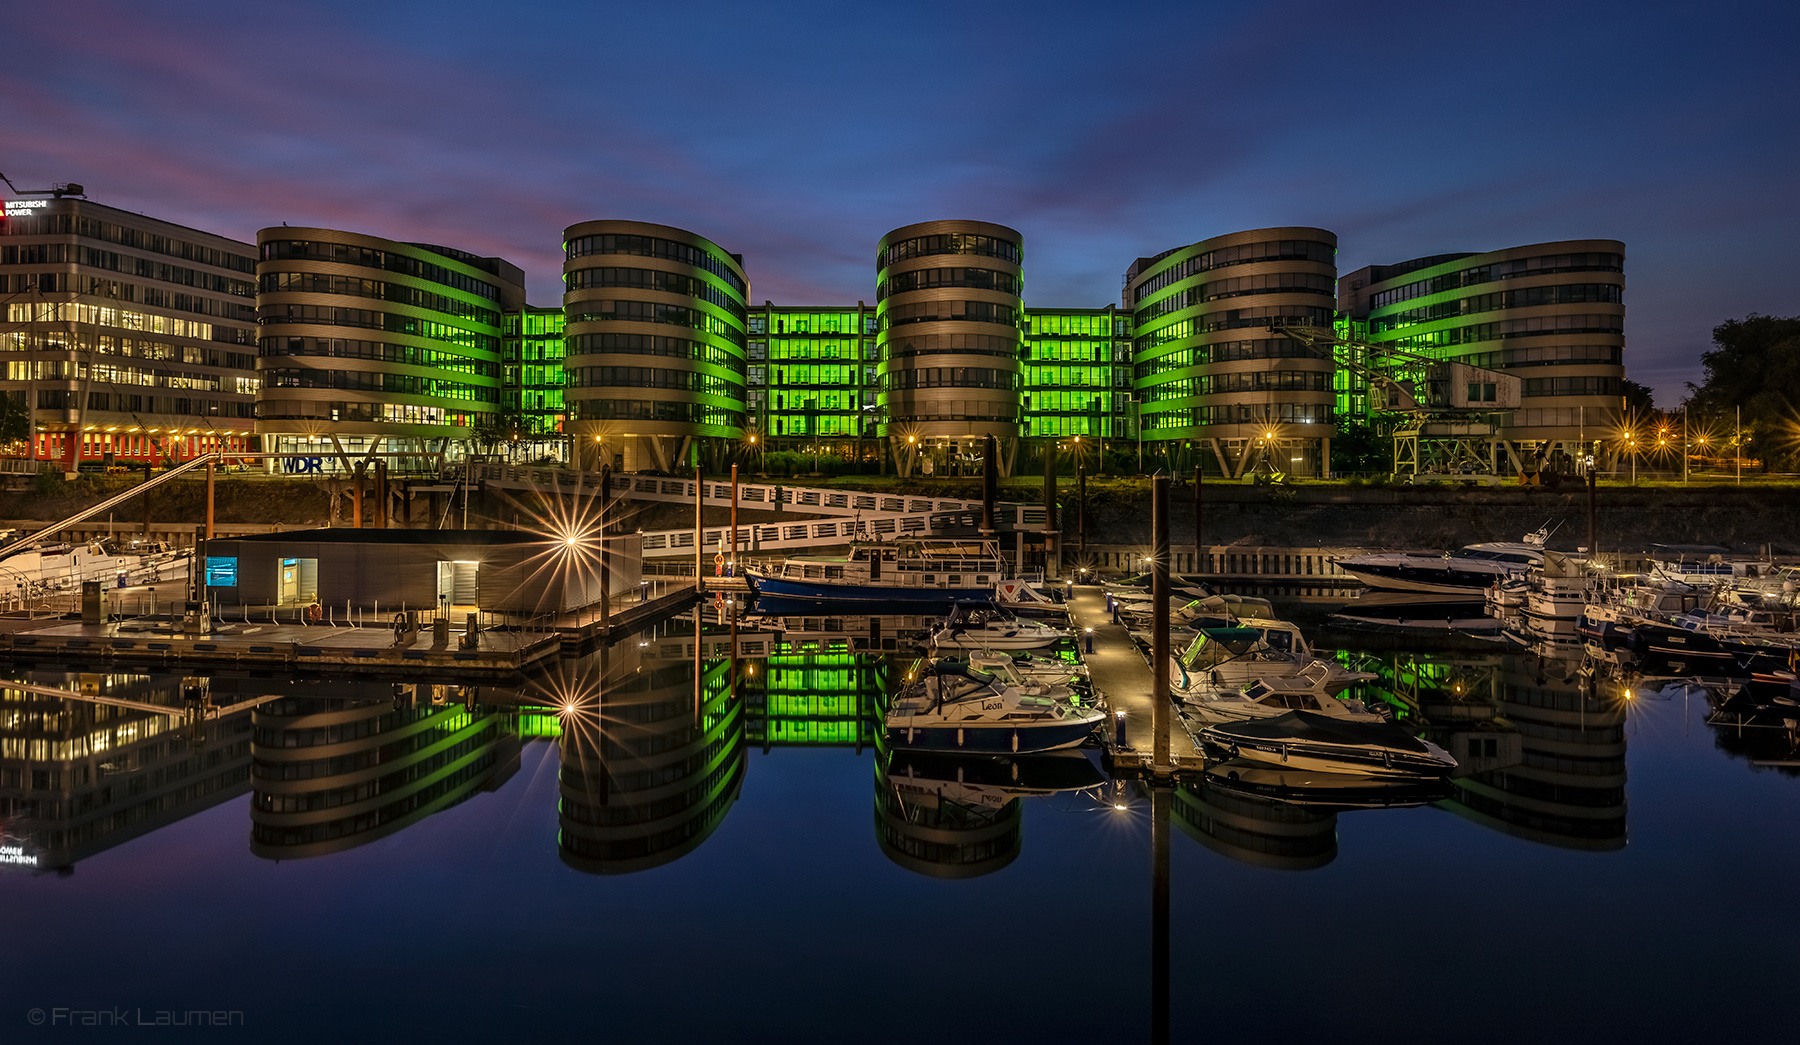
x,y
1028,600
1469,571
986,626
1306,741
951,708
909,569
1310,690
1253,649
39,568
1030,668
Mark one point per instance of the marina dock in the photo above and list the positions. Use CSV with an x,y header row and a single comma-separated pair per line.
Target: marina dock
x,y
1120,673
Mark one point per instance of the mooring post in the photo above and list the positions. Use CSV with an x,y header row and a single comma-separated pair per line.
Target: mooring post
x,y
1199,514
1081,558
1050,554
1159,598
1592,514
734,539
699,545
209,498
990,483
357,499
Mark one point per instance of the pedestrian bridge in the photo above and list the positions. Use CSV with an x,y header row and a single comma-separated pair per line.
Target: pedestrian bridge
x,y
841,516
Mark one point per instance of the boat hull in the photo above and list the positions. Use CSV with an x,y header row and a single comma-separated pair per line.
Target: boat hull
x,y
830,591
992,738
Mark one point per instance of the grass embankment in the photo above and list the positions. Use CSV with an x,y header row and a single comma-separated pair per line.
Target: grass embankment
x,y
291,502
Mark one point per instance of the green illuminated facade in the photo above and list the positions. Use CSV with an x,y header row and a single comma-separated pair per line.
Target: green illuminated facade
x,y
532,383
1552,314
810,380
1076,373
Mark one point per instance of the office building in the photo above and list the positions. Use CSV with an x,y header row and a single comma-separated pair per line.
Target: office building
x,y
812,384
128,340
531,382
1211,377
1552,314
654,345
948,301
369,345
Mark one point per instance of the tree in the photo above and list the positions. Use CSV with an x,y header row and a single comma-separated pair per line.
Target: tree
x,y
1358,447
1639,400
15,425
1755,368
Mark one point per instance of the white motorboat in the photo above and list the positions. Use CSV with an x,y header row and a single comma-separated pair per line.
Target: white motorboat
x,y
37,569
985,626
1274,696
1029,668
1256,648
951,708
1470,571
1302,740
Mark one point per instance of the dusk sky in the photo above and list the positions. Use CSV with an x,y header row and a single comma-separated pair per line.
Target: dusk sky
x,y
797,134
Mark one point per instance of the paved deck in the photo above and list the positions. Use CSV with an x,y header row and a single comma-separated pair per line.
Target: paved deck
x,y
358,650
1119,671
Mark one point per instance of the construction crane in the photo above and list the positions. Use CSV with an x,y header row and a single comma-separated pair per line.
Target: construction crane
x,y
1447,429
58,191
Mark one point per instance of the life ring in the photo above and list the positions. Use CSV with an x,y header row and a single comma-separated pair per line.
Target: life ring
x,y
315,613
719,559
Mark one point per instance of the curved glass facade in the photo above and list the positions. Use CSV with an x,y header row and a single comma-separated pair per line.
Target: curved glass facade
x,y
652,760
949,314
655,344
332,773
1208,373
1551,313
364,339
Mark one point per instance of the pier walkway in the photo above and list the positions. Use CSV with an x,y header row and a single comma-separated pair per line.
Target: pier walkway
x,y
1119,672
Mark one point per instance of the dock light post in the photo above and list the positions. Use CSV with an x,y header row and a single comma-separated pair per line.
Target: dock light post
x,y
1090,640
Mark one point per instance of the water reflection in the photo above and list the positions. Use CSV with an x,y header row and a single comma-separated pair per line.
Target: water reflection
x,y
79,777
1567,787
652,758
351,762
960,816
653,738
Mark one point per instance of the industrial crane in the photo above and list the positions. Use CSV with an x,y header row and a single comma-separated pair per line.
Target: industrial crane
x,y
1449,406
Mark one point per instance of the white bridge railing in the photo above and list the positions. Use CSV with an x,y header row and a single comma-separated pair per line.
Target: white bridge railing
x,y
771,496
811,533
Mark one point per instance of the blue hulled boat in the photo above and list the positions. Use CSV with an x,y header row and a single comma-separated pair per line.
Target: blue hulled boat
x,y
957,708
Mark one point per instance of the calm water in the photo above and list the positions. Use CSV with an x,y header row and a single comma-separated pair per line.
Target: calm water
x,y
363,860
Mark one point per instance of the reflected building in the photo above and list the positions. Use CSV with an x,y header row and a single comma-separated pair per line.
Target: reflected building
x,y
814,699
331,773
78,778
1567,787
652,760
933,821
1261,832
959,816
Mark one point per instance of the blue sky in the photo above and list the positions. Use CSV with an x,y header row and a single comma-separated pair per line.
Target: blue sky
x,y
797,134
